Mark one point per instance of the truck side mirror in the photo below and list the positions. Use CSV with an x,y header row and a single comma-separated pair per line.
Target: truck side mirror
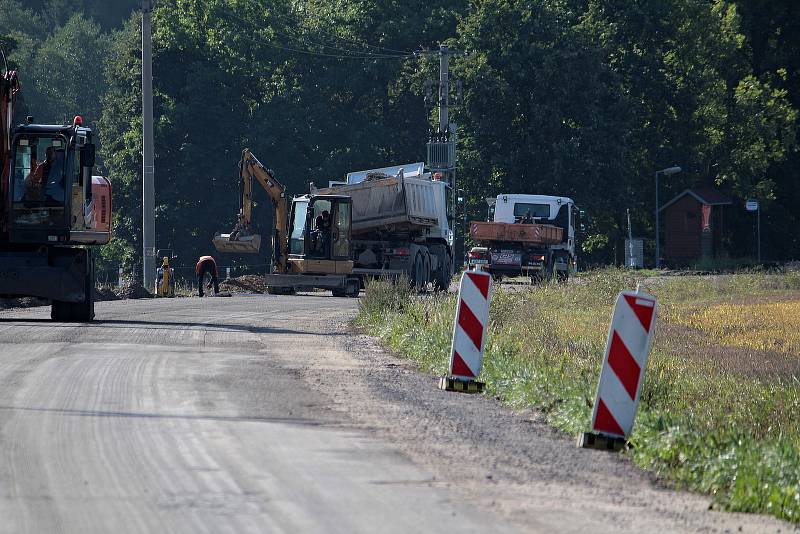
x,y
460,196
582,215
88,155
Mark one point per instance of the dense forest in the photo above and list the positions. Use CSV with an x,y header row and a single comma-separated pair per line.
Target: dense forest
x,y
585,98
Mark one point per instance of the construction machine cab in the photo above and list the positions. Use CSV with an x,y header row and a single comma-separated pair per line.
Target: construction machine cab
x,y
51,186
320,232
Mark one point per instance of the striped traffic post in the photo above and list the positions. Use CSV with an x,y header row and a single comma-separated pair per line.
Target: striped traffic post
x,y
630,337
469,333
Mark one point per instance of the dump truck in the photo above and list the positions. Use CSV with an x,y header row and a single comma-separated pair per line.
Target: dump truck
x,y
312,240
400,223
52,210
526,235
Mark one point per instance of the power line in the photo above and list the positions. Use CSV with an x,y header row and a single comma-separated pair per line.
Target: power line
x,y
368,45
346,53
358,54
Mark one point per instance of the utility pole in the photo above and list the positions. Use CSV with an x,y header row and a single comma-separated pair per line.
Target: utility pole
x,y
148,170
444,90
442,146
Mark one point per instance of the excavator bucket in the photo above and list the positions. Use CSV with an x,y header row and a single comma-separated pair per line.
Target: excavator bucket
x,y
249,244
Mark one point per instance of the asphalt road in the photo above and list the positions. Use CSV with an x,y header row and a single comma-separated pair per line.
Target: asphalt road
x,y
174,416
267,414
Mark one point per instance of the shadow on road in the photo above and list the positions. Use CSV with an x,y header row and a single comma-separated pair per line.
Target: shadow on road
x,y
144,415
169,325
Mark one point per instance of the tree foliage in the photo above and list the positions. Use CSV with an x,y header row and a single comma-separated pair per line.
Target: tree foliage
x,y
586,98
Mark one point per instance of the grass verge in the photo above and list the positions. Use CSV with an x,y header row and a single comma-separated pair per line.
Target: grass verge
x,y
718,414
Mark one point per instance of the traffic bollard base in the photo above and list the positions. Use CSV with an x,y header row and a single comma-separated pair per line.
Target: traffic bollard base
x,y
590,440
449,383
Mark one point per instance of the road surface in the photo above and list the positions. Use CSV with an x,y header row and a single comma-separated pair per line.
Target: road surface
x,y
264,414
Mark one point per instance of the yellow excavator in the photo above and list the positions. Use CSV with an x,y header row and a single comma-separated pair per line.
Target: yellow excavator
x,y
312,245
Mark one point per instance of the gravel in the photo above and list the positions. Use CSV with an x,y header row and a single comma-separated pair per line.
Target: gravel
x,y
501,460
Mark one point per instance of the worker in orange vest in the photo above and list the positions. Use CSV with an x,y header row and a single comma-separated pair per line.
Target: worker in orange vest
x,y
207,265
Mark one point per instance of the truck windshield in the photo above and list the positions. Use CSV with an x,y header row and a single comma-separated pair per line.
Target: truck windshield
x,y
38,184
297,238
524,209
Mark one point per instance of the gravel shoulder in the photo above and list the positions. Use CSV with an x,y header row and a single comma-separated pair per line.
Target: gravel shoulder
x,y
500,460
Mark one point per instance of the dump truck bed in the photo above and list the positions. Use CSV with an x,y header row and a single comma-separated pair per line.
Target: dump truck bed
x,y
393,202
541,234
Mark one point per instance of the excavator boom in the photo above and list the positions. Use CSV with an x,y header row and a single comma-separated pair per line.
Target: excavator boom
x,y
241,240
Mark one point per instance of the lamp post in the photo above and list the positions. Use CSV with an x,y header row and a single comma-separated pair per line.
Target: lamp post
x,y
666,172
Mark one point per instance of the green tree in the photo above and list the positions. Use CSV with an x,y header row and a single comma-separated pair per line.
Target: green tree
x,y
68,72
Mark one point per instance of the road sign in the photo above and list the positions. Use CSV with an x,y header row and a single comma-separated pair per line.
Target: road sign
x,y
751,205
627,349
469,333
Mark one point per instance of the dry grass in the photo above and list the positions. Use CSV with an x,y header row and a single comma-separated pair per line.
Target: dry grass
x,y
770,326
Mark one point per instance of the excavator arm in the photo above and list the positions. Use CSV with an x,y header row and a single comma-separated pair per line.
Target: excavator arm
x,y
241,239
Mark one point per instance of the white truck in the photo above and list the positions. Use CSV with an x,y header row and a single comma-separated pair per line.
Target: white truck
x,y
400,223
526,235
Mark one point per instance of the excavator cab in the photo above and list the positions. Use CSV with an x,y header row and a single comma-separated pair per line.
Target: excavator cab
x,y
52,190
312,244
320,239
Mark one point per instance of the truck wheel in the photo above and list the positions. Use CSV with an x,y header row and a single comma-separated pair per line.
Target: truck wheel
x,y
81,312
561,275
417,278
352,288
443,275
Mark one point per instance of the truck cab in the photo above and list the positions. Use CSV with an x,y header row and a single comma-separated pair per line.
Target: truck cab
x,y
510,257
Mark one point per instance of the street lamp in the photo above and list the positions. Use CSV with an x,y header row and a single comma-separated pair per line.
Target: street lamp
x,y
666,172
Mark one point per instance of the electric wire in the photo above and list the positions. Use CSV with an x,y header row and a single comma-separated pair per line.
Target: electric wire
x,y
368,45
349,41
346,53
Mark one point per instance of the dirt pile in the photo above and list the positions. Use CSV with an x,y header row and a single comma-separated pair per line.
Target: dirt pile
x,y
104,293
133,290
249,283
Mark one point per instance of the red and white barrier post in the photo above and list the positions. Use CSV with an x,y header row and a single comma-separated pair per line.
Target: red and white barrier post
x,y
469,333
627,349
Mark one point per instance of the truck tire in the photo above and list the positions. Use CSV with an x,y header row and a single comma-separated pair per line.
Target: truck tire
x,y
561,275
417,273
443,274
426,270
352,288
80,312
